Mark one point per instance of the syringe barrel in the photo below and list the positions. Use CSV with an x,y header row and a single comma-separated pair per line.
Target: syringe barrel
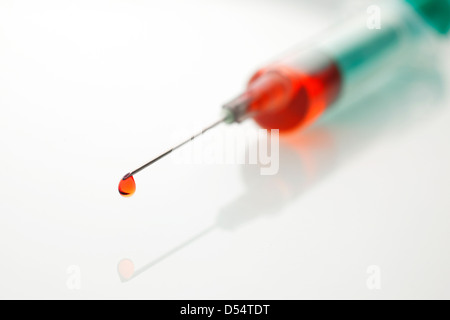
x,y
375,41
297,88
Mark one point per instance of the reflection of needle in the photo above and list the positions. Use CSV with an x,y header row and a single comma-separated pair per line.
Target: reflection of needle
x,y
126,267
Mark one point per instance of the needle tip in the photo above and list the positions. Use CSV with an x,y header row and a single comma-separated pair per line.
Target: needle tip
x,y
125,177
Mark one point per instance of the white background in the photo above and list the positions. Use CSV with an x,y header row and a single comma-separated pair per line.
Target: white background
x,y
89,90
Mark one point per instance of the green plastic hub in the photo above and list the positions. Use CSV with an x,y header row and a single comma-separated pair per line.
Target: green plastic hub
x,y
435,12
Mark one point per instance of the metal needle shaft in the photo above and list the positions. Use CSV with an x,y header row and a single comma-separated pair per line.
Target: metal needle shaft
x,y
176,147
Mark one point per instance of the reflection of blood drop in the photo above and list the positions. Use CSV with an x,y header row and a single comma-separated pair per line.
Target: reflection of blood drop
x,y
125,269
127,186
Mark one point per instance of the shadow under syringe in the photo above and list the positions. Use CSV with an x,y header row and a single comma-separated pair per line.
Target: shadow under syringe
x,y
307,157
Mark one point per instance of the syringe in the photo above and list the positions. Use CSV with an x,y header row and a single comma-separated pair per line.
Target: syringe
x,y
294,91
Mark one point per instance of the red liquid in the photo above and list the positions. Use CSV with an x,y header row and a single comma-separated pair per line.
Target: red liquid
x,y
287,98
127,186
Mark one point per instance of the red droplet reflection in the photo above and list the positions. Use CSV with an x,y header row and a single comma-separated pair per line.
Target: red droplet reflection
x,y
125,269
127,186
